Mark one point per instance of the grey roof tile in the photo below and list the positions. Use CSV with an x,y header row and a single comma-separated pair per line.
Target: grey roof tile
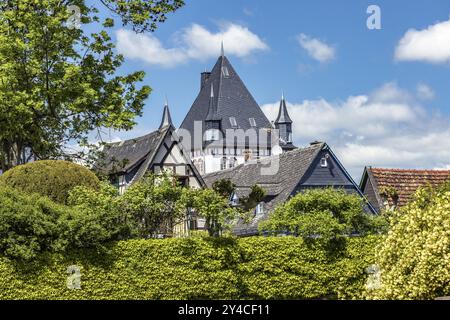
x,y
231,99
279,187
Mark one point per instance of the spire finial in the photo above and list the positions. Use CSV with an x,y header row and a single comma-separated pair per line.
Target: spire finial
x,y
282,94
166,118
222,51
166,102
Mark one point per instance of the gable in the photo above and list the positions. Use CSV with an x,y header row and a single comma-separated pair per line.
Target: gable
x,y
369,191
331,175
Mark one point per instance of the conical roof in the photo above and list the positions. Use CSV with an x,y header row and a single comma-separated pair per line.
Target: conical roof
x,y
166,118
283,115
231,99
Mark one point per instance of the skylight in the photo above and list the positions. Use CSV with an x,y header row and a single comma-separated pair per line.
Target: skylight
x,y
233,122
252,122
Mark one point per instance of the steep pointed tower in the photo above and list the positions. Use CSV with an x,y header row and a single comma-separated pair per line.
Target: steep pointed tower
x,y
224,109
212,121
166,120
284,124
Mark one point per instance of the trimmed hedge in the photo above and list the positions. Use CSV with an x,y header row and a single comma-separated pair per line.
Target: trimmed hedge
x,y
197,268
50,178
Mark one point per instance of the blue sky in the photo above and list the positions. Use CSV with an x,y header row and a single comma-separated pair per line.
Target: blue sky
x,y
383,94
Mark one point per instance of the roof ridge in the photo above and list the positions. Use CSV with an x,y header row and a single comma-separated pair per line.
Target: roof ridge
x,y
408,170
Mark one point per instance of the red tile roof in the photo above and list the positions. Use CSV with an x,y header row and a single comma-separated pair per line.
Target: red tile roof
x,y
406,182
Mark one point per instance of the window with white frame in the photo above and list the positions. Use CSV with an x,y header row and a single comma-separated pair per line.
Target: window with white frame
x,y
259,209
212,135
324,162
234,199
252,122
233,122
225,72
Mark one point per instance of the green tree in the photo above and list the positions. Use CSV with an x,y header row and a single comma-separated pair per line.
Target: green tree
x,y
95,218
224,187
28,224
414,258
155,204
327,213
211,206
255,196
57,82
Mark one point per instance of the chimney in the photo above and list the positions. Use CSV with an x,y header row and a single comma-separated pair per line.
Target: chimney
x,y
204,76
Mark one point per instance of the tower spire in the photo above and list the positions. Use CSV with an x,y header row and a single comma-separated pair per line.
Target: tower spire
x,y
222,51
284,125
283,115
166,118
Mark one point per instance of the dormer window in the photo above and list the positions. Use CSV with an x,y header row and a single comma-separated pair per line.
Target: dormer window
x,y
234,200
252,122
233,122
225,72
212,135
324,162
259,209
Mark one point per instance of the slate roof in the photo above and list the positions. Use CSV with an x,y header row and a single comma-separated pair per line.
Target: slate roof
x,y
279,187
121,157
231,99
283,115
404,181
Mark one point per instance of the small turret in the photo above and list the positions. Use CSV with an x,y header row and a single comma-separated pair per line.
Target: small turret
x,y
166,118
284,124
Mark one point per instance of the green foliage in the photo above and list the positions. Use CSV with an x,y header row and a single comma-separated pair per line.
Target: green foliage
x,y
328,213
224,187
290,268
211,206
414,258
57,82
95,218
28,224
250,202
53,179
197,268
155,204
32,224
143,15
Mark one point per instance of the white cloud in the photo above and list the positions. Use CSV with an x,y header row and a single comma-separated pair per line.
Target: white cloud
x,y
317,49
386,128
424,92
147,48
428,45
194,42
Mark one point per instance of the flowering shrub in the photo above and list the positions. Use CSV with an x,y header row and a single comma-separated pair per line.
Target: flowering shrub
x,y
414,258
